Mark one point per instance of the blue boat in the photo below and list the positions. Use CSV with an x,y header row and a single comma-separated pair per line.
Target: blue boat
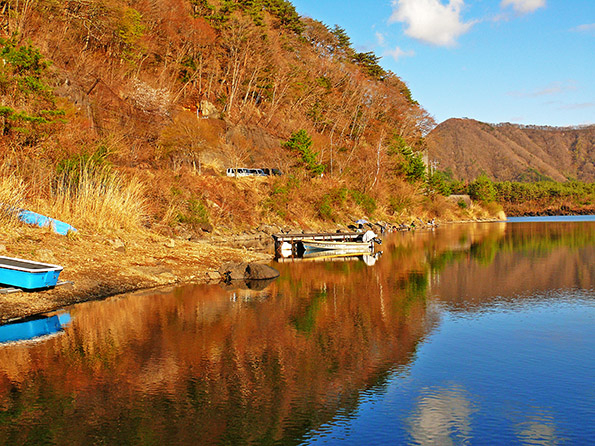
x,y
33,328
33,218
28,275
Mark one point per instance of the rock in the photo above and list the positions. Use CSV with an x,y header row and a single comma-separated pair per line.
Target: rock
x,y
258,271
268,229
117,244
247,271
2,248
196,237
233,271
501,215
170,244
208,109
214,276
183,234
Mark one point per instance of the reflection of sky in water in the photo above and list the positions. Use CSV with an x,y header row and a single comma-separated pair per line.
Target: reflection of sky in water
x,y
515,374
442,415
558,218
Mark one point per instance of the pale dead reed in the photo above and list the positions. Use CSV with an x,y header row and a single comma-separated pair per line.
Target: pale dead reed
x,y
99,199
12,195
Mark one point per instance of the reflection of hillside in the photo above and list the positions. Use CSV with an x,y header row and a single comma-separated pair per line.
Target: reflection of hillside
x,y
529,257
219,366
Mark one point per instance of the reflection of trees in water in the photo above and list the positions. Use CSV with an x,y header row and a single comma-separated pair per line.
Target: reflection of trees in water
x,y
525,259
237,366
264,366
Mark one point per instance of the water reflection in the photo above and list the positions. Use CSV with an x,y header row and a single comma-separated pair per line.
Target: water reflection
x,y
276,362
442,416
33,329
368,258
537,429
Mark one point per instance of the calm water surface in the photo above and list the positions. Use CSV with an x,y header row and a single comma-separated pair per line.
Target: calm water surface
x,y
469,334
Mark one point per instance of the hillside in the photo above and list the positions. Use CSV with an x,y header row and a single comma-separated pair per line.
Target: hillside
x,y
154,100
509,152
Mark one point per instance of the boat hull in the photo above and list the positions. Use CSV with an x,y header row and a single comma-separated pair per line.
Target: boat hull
x,y
321,245
27,274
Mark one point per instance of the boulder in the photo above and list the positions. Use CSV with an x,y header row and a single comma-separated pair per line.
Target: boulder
x,y
206,227
208,109
233,271
247,271
258,271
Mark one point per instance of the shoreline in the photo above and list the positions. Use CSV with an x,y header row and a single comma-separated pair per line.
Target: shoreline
x,y
100,267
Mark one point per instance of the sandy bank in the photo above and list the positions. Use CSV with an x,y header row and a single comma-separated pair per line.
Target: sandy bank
x,y
102,266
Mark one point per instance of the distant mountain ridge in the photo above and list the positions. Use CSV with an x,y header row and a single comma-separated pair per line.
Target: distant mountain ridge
x,y
512,152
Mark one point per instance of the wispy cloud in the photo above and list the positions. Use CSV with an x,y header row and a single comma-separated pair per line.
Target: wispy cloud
x,y
431,21
380,38
553,88
398,53
523,6
577,106
588,28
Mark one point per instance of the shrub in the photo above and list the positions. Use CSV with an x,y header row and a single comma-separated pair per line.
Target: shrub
x,y
196,213
367,203
301,142
411,164
482,189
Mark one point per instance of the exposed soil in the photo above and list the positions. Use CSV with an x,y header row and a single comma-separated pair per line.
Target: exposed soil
x,y
100,266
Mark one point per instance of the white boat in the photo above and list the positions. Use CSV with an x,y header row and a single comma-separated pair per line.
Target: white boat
x,y
324,245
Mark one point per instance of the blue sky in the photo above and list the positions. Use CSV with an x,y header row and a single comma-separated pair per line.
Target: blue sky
x,y
522,61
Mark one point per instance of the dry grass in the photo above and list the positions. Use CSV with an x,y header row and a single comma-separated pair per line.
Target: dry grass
x,y
98,200
12,195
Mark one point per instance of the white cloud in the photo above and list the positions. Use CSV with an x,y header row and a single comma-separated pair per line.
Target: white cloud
x,y
523,6
380,38
431,21
588,28
398,53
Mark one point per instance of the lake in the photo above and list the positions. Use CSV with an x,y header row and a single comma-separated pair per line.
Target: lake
x,y
479,333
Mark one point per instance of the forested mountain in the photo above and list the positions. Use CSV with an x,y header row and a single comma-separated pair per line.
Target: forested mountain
x,y
509,152
197,86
